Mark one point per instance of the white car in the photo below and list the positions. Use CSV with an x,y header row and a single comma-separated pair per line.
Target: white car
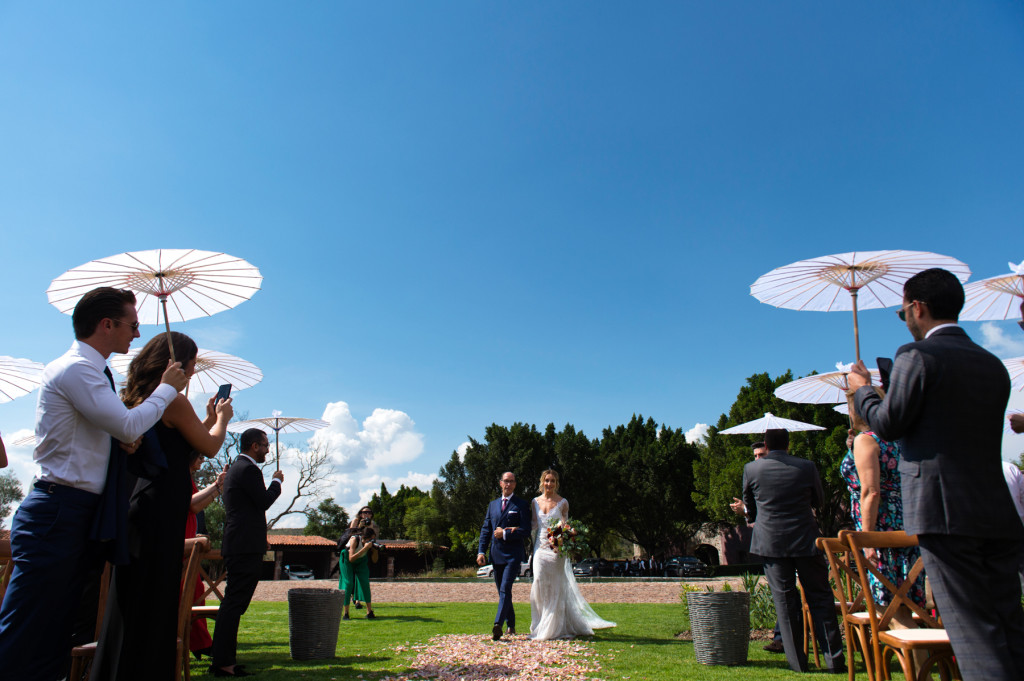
x,y
525,570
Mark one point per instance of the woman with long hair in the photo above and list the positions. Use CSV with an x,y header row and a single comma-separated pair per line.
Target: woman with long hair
x,y
140,626
558,610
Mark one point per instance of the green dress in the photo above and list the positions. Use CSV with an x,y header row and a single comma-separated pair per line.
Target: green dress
x,y
355,577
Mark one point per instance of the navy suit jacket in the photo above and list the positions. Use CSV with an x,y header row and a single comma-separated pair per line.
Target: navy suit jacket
x,y
246,500
511,549
779,491
946,401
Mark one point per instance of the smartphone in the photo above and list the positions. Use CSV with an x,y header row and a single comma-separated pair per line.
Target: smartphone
x,y
884,369
223,393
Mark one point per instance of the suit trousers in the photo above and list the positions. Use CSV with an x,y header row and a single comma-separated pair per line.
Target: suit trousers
x,y
977,593
504,577
782,575
52,556
243,575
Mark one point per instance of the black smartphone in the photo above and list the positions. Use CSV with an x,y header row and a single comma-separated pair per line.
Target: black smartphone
x,y
884,369
223,393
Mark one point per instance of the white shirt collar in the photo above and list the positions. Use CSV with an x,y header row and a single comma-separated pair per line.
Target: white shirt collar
x,y
940,326
249,457
90,353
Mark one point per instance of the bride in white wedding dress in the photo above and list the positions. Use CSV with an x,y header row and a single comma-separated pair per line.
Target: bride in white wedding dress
x,y
558,609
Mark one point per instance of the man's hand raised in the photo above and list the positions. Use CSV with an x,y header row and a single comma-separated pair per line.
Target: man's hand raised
x,y
174,376
858,376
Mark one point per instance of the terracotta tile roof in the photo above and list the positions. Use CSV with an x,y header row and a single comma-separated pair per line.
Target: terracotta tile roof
x,y
282,540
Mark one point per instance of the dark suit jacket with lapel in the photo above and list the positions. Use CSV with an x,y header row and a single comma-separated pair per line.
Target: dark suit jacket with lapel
x,y
779,492
946,401
246,500
513,548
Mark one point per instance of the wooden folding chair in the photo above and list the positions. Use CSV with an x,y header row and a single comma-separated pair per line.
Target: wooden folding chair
x,y
193,555
82,656
849,600
212,587
8,567
810,642
929,638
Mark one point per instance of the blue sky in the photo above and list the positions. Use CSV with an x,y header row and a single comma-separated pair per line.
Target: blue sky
x,y
469,213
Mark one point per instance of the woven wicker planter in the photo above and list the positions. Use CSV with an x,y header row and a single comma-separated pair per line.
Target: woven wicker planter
x,y
720,624
313,619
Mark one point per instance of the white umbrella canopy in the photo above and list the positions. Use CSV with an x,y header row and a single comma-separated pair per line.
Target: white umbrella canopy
x,y
18,377
28,440
1015,367
196,283
827,388
213,369
279,424
769,422
849,281
996,297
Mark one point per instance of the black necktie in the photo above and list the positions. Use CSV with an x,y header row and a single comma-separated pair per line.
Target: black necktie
x,y
110,377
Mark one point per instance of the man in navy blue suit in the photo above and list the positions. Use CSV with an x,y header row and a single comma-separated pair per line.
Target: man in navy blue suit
x,y
506,525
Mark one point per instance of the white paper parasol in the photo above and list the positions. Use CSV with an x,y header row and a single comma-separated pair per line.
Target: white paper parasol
x,y
995,297
827,388
28,440
870,279
278,424
18,377
1015,367
213,369
769,422
170,284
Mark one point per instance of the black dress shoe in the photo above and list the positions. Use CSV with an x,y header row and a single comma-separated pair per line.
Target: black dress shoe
x,y
511,631
238,671
208,651
496,632
775,647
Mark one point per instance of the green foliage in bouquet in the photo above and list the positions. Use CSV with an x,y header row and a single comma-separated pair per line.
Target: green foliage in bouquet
x,y
568,538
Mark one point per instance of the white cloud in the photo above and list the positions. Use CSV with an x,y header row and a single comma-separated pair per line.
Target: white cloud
x,y
697,433
998,342
363,455
461,451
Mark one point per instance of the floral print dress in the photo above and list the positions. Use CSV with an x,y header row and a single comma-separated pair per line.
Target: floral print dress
x,y
895,564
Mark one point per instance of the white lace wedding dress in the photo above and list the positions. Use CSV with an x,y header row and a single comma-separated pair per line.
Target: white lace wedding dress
x,y
558,608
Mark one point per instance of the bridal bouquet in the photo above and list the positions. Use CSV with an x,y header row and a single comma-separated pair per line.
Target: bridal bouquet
x,y
567,539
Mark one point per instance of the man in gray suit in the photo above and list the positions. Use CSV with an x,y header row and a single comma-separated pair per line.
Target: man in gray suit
x,y
945,404
779,492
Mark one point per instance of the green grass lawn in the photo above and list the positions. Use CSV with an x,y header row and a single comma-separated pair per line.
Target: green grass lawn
x,y
642,646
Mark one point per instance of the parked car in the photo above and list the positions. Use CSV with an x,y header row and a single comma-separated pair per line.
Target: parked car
x,y
298,572
685,566
593,567
525,570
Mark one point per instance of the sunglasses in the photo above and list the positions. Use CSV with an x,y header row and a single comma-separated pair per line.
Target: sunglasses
x,y
902,313
134,325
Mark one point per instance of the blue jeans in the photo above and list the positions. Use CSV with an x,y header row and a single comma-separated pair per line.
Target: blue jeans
x,y
52,556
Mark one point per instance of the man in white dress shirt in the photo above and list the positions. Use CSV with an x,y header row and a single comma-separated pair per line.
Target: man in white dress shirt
x,y
77,413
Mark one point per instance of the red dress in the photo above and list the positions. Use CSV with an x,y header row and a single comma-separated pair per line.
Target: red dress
x,y
199,638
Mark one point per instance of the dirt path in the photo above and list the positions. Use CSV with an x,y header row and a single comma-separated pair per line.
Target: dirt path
x,y
484,591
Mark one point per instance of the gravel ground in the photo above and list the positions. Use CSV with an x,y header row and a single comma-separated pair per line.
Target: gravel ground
x,y
484,591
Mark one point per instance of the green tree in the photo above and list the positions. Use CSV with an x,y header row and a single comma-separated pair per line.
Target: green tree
x,y
718,471
10,494
328,520
389,510
652,483
425,525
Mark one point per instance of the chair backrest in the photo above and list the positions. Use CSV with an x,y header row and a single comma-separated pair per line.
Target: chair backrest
x,y
845,584
193,555
8,566
899,596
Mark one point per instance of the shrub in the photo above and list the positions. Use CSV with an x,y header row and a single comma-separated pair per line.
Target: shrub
x,y
762,606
